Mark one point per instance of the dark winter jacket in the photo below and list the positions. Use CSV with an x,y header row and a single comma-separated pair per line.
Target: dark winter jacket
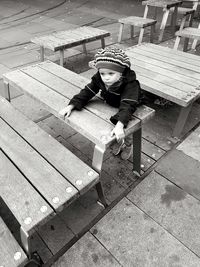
x,y
123,95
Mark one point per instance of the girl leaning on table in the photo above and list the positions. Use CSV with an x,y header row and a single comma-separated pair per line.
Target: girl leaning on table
x,y
118,87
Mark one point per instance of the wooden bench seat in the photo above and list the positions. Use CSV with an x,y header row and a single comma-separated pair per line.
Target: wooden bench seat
x,y
139,22
11,254
37,171
187,33
61,40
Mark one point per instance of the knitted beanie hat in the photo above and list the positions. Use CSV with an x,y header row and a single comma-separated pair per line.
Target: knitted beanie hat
x,y
112,58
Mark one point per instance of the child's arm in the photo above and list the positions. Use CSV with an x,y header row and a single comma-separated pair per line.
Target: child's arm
x,y
118,131
65,112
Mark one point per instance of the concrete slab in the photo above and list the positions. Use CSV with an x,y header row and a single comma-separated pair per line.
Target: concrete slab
x,y
191,145
55,234
181,170
87,252
20,60
171,207
134,239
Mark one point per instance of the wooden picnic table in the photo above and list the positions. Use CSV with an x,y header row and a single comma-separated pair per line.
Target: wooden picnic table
x,y
166,5
170,74
53,86
61,40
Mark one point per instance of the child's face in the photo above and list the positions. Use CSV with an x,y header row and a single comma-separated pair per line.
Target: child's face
x,y
109,76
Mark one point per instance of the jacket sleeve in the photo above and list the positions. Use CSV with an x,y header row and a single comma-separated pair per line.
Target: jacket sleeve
x,y
128,104
81,99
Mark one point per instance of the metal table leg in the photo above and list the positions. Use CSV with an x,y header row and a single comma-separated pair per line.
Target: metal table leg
x,y
7,91
137,144
61,57
97,162
182,118
42,53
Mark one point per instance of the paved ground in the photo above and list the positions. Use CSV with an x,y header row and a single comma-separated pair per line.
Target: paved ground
x,y
152,221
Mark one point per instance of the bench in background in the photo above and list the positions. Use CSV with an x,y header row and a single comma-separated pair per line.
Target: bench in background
x,y
61,40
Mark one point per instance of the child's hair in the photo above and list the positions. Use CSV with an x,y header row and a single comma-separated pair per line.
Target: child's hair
x,y
112,58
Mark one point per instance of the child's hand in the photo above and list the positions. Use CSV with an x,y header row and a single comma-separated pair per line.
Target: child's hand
x,y
65,112
118,131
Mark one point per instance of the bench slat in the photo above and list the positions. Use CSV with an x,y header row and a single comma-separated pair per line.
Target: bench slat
x,y
62,159
21,198
11,254
50,183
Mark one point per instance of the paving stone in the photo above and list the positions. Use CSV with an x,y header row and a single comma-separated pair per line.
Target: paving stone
x,y
74,150
59,127
120,170
191,145
87,252
112,189
134,239
181,170
81,213
29,107
171,207
55,234
151,150
20,60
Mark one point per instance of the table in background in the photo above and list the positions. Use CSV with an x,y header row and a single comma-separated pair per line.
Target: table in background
x,y
165,5
168,73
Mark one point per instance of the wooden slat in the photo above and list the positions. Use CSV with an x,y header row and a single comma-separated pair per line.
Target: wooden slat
x,y
70,38
97,106
85,122
166,59
161,3
170,81
64,161
172,53
167,92
50,183
189,73
143,113
137,21
176,77
189,32
29,208
11,254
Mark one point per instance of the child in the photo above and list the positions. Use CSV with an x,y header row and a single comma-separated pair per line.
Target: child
x,y
118,86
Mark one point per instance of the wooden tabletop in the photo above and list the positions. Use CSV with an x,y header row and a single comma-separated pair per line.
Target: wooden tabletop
x,y
162,3
53,86
69,38
168,73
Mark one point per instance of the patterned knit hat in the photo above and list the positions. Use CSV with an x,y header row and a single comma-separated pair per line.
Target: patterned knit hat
x,y
112,58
